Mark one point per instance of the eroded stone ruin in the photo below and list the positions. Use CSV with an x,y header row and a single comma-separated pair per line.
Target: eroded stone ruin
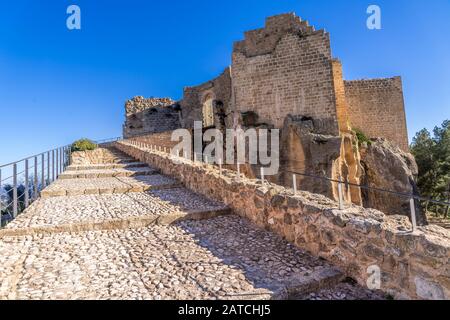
x,y
283,76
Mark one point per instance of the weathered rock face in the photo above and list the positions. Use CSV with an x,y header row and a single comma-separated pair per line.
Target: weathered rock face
x,y
388,167
308,146
154,115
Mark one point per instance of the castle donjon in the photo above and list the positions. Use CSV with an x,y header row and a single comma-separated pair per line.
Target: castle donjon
x,y
283,76
287,68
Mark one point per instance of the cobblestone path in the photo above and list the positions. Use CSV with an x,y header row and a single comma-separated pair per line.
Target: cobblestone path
x,y
120,230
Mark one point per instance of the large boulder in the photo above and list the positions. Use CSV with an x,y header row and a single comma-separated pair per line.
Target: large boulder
x,y
388,167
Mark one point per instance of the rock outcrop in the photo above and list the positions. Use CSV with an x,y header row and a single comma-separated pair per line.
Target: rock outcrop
x,y
309,147
388,167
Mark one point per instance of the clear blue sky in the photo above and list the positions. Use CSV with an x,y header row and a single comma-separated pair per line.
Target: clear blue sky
x,y
58,85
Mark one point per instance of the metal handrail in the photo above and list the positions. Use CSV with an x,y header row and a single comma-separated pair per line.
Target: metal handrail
x,y
39,171
31,157
108,140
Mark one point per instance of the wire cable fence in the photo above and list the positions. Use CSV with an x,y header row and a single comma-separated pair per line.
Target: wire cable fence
x,y
342,184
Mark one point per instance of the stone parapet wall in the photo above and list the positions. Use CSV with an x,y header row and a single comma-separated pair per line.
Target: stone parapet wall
x,y
162,139
413,265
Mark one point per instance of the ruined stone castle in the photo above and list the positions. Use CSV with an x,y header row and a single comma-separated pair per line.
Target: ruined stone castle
x,y
283,76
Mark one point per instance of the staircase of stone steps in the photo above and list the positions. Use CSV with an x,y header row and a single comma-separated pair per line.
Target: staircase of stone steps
x,y
120,230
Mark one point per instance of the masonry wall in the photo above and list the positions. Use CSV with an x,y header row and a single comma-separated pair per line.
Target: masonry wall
x,y
219,89
413,265
377,108
154,115
285,68
339,92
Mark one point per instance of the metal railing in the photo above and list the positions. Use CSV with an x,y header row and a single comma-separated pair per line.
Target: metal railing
x,y
22,181
106,141
341,183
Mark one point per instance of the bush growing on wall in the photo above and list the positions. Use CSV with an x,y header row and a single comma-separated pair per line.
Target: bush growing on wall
x,y
83,145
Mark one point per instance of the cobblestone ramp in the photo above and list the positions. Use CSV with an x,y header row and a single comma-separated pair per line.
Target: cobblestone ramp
x,y
160,244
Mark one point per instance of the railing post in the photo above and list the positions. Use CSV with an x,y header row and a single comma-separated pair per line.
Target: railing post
x,y
220,166
27,187
61,160
239,172
48,167
53,165
294,183
70,155
262,175
57,163
36,180
43,184
340,194
412,205
15,200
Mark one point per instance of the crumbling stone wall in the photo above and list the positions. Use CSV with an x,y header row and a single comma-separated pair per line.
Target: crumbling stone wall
x,y
152,115
412,265
377,108
284,68
219,90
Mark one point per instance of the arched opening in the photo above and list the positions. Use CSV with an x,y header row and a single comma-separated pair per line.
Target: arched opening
x,y
208,112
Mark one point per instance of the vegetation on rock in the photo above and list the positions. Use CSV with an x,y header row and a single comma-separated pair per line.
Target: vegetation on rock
x,y
362,138
83,145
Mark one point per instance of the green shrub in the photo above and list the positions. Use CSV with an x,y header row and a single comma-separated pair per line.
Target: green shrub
x,y
83,145
362,137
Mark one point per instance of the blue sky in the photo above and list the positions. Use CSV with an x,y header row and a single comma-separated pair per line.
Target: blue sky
x,y
58,85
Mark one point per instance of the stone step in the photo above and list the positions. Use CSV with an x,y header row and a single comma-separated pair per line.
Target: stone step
x,y
105,173
113,211
114,185
106,166
222,258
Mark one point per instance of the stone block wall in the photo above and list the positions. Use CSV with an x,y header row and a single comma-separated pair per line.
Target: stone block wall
x,y
284,68
144,116
413,265
97,156
377,108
